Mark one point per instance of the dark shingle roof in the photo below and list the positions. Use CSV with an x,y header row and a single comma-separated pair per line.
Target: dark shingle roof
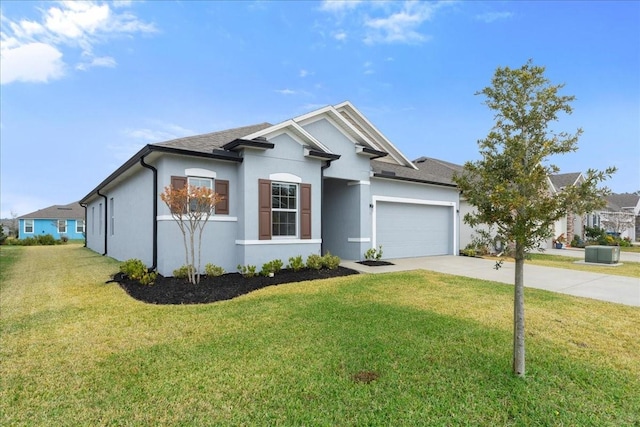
x,y
70,211
441,168
617,202
562,180
209,141
436,175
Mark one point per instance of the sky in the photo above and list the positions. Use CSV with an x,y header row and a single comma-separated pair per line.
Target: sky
x,y
85,85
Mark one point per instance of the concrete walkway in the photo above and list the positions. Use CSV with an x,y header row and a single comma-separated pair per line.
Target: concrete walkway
x,y
605,287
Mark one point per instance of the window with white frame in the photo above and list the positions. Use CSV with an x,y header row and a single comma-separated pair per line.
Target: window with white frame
x,y
198,182
28,226
93,219
100,218
62,226
284,209
79,225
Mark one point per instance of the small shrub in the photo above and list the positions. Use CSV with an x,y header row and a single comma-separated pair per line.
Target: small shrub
x,y
183,272
3,237
577,242
330,261
296,263
213,270
46,239
64,239
314,261
373,254
247,270
136,270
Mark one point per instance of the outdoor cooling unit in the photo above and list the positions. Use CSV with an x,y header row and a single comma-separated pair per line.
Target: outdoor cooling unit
x,y
602,254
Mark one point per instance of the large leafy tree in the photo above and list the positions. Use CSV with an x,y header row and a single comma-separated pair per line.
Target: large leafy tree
x,y
509,186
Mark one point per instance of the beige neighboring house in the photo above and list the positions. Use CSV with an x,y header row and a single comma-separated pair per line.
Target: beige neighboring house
x,y
625,204
571,224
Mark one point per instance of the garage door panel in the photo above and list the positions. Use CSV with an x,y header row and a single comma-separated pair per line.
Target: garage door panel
x,y
409,230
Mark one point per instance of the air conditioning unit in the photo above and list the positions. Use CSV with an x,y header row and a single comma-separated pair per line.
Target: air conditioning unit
x,y
602,254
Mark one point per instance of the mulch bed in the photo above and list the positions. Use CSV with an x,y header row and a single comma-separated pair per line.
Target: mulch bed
x,y
169,290
374,263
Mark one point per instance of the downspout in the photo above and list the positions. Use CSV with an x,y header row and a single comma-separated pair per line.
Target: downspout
x,y
106,217
155,212
84,205
322,168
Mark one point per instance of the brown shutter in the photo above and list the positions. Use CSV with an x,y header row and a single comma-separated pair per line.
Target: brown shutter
x,y
305,211
264,209
222,189
178,182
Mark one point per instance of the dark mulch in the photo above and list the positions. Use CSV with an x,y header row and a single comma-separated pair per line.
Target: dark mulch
x,y
374,263
169,290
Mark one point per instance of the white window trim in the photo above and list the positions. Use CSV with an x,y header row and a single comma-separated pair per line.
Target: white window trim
x,y
286,178
212,218
33,226
297,209
112,217
200,173
358,239
209,178
388,199
80,221
65,226
279,242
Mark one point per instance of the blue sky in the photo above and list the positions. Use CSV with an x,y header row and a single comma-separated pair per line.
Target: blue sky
x,y
85,85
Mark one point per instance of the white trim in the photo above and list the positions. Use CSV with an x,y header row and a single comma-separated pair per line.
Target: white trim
x,y
351,183
83,226
358,239
199,173
212,218
289,126
285,177
65,226
278,242
390,199
33,226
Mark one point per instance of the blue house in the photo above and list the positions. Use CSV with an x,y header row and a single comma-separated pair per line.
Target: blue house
x,y
57,220
325,181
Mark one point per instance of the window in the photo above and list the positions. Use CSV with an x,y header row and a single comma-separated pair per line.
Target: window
x,y
79,225
62,226
100,218
284,209
28,226
199,182
221,188
93,219
113,219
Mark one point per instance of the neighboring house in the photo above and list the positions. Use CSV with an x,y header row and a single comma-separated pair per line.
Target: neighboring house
x,y
571,224
326,181
619,204
57,220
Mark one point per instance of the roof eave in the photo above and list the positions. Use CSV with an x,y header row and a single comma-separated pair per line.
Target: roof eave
x,y
420,181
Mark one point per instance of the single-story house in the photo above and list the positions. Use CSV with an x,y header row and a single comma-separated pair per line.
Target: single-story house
x,y
57,220
571,224
326,181
628,203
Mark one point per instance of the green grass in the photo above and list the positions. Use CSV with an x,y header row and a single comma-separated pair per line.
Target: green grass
x,y
635,248
77,351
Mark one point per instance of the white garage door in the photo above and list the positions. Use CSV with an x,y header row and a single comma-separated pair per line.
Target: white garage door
x,y
411,230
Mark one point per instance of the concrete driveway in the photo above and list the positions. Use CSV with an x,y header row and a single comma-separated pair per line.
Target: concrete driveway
x,y
605,287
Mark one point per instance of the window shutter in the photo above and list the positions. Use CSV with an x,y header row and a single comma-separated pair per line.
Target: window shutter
x,y
222,189
264,209
305,211
178,182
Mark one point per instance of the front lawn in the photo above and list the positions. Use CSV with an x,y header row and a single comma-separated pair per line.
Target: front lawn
x,y
629,269
415,348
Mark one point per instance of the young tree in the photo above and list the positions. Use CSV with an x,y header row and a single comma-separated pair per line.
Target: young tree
x,y
617,222
508,187
191,208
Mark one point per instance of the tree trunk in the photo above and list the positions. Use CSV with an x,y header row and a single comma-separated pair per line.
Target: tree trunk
x,y
518,314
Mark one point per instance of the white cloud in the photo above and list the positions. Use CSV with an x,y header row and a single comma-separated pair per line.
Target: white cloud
x,y
493,16
33,50
303,73
402,26
340,36
368,67
30,62
286,91
339,5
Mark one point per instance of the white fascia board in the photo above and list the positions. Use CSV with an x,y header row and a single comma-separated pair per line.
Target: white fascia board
x,y
294,130
336,119
354,113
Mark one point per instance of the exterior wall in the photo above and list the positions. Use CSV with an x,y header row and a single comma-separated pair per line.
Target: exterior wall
x,y
345,215
350,165
42,226
286,157
95,225
221,231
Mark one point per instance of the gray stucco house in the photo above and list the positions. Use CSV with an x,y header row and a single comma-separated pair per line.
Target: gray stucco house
x,y
324,181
